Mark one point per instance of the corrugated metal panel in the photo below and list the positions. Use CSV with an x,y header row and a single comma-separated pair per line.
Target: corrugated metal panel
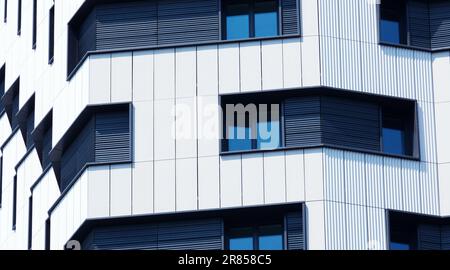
x,y
126,25
351,65
112,137
182,21
355,182
330,62
440,24
375,181
418,23
427,131
191,235
429,188
368,21
376,221
294,231
393,183
335,226
349,12
388,71
290,14
77,154
371,78
334,183
350,123
423,70
356,227
329,18
445,237
428,237
302,121
405,71
411,186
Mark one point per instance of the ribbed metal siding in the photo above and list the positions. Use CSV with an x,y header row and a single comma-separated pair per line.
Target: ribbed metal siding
x,y
184,235
191,235
294,231
350,123
126,25
429,237
112,137
290,13
418,24
440,24
77,155
183,21
302,121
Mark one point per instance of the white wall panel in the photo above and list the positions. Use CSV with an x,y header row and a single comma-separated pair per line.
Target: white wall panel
x,y
423,76
374,181
229,80
334,181
330,57
250,66
442,111
143,131
98,192
329,18
388,70
335,226
441,80
143,71
186,184
209,125
252,179
274,177
164,136
295,176
377,231
444,186
186,72
292,63
368,21
164,70
121,77
357,238
315,227
121,190
429,185
207,70
309,15
351,64
371,72
314,186
393,183
208,182
142,196
411,186
165,198
349,14
405,69
427,131
230,181
186,127
355,178
272,64
100,78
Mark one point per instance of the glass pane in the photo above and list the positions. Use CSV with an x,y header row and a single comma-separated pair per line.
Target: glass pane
x,y
271,242
241,243
239,138
269,135
393,141
238,26
399,246
390,31
266,24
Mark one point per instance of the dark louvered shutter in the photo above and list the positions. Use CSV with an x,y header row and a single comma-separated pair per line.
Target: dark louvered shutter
x,y
15,110
429,237
445,237
419,23
191,235
290,17
46,147
184,21
86,35
126,25
440,24
30,127
302,121
295,238
350,123
112,137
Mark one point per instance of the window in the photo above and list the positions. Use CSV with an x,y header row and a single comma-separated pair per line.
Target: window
x,y
34,27
51,37
26,122
2,87
256,238
397,131
393,21
19,17
5,12
14,212
251,18
252,127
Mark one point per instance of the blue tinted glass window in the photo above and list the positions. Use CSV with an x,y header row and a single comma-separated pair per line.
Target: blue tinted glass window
x,y
268,135
241,243
239,138
390,31
238,26
393,141
271,242
266,18
399,246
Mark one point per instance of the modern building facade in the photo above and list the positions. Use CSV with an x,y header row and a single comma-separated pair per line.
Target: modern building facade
x,y
115,127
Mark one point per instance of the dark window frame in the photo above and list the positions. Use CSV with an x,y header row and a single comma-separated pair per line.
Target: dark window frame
x,y
14,212
19,17
51,36
392,16
34,26
251,13
5,13
256,231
